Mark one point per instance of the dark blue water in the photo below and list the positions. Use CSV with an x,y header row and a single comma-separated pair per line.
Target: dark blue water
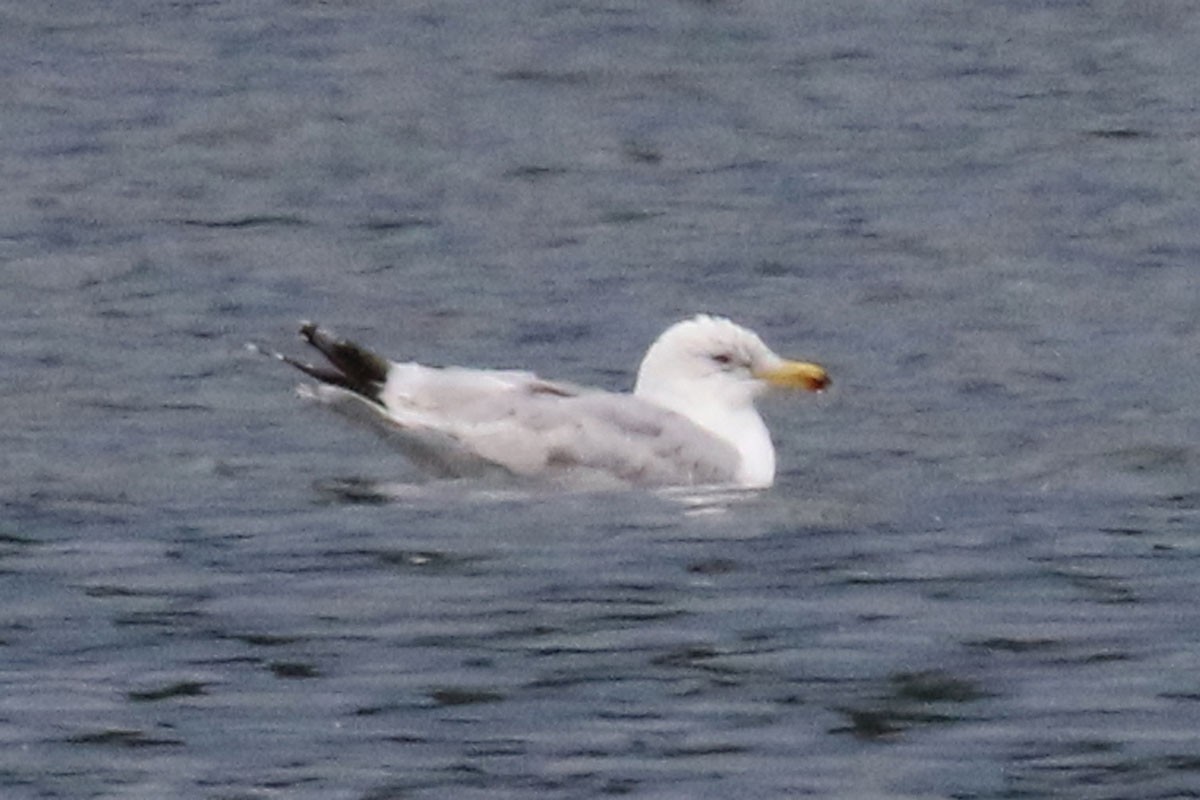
x,y
975,577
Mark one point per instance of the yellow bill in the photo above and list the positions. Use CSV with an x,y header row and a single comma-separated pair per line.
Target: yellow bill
x,y
795,375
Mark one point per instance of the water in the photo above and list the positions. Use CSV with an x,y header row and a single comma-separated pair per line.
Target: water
x,y
975,577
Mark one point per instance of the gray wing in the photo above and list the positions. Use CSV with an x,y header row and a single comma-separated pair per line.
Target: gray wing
x,y
465,423
434,450
625,438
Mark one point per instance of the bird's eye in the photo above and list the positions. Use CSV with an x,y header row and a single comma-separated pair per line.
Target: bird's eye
x,y
724,359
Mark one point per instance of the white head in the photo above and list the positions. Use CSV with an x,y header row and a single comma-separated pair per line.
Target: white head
x,y
710,370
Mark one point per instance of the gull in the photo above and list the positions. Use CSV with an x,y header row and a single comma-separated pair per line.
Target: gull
x,y
690,420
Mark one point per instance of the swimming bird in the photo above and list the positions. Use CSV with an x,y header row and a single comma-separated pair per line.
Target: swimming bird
x,y
690,420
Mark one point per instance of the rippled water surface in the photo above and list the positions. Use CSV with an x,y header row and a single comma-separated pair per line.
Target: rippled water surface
x,y
975,577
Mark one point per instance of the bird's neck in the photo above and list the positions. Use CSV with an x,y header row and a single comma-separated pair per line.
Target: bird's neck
x,y
742,428
747,432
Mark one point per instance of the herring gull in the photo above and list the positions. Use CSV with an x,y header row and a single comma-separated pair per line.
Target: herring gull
x,y
690,420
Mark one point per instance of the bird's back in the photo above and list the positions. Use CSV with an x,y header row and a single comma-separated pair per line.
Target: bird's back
x,y
531,426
